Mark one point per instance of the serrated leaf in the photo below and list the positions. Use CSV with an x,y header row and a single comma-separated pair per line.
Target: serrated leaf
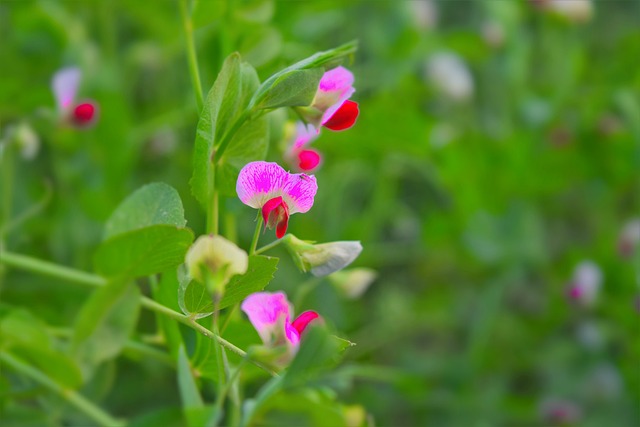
x,y
105,323
224,108
152,204
143,252
295,88
194,299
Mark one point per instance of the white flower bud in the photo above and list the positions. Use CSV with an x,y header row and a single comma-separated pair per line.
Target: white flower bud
x,y
325,258
216,256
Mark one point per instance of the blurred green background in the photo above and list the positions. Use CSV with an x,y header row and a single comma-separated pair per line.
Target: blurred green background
x,y
498,146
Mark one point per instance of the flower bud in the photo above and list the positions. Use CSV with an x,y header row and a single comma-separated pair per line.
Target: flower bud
x,y
450,76
215,259
354,282
325,258
24,138
577,11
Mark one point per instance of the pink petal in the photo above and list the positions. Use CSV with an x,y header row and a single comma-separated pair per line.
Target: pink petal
x,y
259,182
336,86
65,86
85,114
308,159
268,313
302,321
299,191
304,135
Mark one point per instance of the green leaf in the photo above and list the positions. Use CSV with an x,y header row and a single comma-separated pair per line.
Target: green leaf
x,y
189,392
20,327
105,323
194,299
25,335
295,88
152,204
167,295
143,252
56,365
225,112
318,350
324,60
259,273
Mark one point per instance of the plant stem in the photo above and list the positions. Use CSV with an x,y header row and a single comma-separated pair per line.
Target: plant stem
x,y
77,400
269,246
215,209
191,54
88,279
50,269
256,236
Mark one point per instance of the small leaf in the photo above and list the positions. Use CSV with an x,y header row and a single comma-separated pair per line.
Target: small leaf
x,y
143,252
295,88
152,204
105,323
194,299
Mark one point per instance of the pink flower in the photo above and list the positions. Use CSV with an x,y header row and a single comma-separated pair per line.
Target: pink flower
x,y
65,85
270,314
332,100
298,155
278,193
585,285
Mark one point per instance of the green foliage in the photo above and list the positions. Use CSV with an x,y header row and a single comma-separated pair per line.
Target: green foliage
x,y
105,322
225,115
145,234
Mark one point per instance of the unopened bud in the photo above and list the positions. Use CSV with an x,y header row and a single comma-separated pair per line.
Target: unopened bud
x,y
325,258
217,258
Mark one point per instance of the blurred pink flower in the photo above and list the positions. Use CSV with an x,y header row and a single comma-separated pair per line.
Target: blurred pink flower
x,y
560,412
65,85
278,193
297,154
270,314
585,285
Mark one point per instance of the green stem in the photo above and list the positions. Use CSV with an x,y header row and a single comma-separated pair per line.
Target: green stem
x,y
30,212
256,236
191,54
269,246
225,390
6,166
50,269
77,400
88,279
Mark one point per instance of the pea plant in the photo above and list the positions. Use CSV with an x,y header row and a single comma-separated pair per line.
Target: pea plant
x,y
239,351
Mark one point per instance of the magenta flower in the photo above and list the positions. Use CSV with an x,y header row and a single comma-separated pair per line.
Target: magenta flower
x,y
298,154
332,99
278,193
270,314
65,85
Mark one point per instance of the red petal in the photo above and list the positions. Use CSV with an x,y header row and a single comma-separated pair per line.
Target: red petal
x,y
302,321
344,118
84,113
308,159
268,207
281,228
